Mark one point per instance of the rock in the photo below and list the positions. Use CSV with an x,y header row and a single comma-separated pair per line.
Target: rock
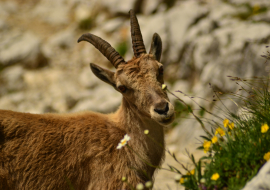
x,y
7,8
149,6
70,102
12,101
183,86
24,49
13,78
86,15
244,39
103,99
118,6
112,25
64,39
82,12
52,12
252,3
261,180
88,80
178,28
3,26
264,17
154,24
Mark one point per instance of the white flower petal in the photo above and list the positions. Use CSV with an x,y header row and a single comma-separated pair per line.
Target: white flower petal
x,y
123,141
119,146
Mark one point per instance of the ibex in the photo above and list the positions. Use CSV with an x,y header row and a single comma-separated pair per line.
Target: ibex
x,y
63,151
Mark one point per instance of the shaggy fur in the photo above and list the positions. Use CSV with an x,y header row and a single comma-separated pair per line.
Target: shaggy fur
x,y
60,151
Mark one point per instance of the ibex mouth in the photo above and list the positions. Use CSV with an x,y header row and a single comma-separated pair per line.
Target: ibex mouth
x,y
167,120
163,118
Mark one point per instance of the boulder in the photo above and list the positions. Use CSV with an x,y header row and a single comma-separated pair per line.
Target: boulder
x,y
261,180
23,48
104,99
64,39
12,78
52,12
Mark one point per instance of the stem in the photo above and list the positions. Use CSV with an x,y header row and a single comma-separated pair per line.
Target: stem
x,y
196,117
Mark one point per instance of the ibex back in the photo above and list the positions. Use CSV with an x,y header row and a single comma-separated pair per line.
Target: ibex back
x,y
60,151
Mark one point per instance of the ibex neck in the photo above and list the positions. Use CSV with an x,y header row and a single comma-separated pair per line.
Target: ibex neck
x,y
151,146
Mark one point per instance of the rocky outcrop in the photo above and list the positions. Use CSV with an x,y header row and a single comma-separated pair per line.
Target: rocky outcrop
x,y
22,48
261,180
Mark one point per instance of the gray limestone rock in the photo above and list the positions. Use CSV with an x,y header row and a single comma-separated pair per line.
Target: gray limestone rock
x,y
22,48
261,181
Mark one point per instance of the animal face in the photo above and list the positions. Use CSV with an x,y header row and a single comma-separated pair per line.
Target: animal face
x,y
140,82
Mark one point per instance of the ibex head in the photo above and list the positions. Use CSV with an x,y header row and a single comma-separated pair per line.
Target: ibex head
x,y
140,79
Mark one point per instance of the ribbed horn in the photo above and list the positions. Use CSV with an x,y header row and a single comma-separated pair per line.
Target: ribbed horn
x,y
136,35
104,47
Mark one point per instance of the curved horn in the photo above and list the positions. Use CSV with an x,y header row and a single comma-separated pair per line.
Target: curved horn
x,y
136,35
104,47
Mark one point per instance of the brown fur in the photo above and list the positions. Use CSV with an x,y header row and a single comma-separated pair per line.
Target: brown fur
x,y
59,151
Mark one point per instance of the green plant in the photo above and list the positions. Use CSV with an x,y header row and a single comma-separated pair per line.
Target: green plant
x,y
182,111
249,11
87,23
238,144
122,48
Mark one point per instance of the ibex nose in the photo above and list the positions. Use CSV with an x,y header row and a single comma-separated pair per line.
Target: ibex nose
x,y
162,107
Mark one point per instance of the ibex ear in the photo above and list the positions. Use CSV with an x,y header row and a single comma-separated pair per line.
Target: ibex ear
x,y
156,47
103,74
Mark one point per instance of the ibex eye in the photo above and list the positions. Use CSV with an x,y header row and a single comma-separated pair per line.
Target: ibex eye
x,y
122,88
160,70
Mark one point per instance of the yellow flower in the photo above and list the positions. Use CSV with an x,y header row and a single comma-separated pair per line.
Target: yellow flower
x,y
146,131
182,180
149,184
220,131
267,156
264,128
139,186
215,176
164,86
231,126
225,122
177,178
214,139
124,141
124,179
206,146
191,172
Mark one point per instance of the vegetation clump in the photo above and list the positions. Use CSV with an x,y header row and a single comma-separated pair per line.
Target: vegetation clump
x,y
238,144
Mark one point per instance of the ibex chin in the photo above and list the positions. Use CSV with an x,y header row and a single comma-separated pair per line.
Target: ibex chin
x,y
79,151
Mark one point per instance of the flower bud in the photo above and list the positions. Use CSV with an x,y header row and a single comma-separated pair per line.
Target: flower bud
x,y
177,178
139,186
149,184
164,86
146,131
124,179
